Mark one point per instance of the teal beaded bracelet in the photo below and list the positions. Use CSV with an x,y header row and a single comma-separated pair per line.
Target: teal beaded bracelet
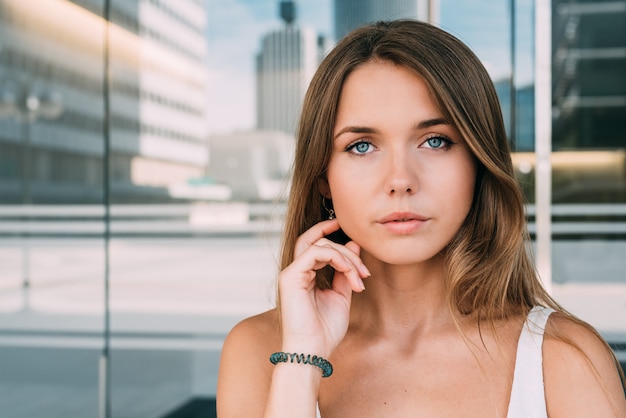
x,y
322,363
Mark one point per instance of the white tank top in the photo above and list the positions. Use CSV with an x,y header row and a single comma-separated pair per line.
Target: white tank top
x,y
528,399
527,396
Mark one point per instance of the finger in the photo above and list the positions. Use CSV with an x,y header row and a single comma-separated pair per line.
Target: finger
x,y
356,250
348,266
350,251
345,285
314,258
354,247
313,234
355,273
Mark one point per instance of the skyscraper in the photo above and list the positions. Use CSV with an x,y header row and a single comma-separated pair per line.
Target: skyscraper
x,y
288,58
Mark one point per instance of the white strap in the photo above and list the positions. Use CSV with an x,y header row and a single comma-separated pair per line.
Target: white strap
x,y
527,395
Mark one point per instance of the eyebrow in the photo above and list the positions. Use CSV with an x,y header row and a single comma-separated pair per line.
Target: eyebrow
x,y
367,130
356,130
431,122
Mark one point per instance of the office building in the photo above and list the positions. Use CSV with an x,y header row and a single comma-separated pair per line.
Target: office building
x,y
589,68
52,108
589,100
284,67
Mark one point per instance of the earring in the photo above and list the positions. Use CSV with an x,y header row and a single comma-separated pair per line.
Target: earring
x,y
331,211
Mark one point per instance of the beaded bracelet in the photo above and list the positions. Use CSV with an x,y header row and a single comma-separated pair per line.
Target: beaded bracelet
x,y
322,363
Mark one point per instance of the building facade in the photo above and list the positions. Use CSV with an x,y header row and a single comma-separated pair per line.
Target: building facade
x,y
589,73
52,112
284,67
589,101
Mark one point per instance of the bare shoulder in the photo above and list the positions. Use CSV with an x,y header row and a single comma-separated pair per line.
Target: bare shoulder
x,y
580,374
245,370
262,329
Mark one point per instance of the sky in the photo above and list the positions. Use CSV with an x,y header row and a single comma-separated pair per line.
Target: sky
x,y
235,29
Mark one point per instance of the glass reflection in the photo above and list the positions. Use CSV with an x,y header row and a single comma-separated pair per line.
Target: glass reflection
x,y
51,275
201,134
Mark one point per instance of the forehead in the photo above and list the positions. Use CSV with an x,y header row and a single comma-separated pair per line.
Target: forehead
x,y
380,88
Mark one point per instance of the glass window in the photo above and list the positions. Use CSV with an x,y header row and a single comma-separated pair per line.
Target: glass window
x,y
141,197
52,259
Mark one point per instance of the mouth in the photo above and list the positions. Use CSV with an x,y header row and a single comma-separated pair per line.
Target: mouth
x,y
398,217
402,223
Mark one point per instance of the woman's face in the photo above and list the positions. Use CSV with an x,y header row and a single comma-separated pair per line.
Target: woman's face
x,y
401,178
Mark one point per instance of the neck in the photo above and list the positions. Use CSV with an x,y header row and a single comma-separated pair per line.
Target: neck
x,y
403,299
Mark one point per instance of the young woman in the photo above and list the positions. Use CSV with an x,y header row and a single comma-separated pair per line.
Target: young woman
x,y
405,268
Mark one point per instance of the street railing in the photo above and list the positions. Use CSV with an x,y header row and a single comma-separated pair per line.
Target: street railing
x,y
238,218
19,223
231,218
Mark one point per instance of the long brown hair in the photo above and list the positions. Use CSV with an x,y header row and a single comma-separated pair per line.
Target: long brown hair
x,y
490,271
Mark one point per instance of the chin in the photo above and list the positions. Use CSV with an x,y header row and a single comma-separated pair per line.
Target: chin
x,y
405,256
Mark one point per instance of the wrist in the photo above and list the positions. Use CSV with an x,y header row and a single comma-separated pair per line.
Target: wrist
x,y
313,346
305,359
301,382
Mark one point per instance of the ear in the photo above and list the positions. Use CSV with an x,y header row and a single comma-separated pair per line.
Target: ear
x,y
322,186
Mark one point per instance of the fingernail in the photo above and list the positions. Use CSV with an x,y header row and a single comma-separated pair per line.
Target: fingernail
x,y
365,271
362,284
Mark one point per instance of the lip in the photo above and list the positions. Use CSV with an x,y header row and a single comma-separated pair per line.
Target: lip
x,y
402,216
402,222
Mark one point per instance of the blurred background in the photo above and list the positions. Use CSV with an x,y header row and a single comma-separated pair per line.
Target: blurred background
x,y
145,149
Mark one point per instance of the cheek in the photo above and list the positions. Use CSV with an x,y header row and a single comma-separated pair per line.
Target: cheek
x,y
350,197
347,183
469,180
465,192
456,190
467,185
347,198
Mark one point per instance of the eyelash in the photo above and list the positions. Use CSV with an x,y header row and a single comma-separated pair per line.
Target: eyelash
x,y
354,144
446,143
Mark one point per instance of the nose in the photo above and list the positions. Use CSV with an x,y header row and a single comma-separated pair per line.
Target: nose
x,y
402,176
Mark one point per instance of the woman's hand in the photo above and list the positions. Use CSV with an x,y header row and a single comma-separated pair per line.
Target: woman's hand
x,y
315,320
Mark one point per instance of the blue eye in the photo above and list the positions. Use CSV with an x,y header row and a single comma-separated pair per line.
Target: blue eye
x,y
360,147
437,142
